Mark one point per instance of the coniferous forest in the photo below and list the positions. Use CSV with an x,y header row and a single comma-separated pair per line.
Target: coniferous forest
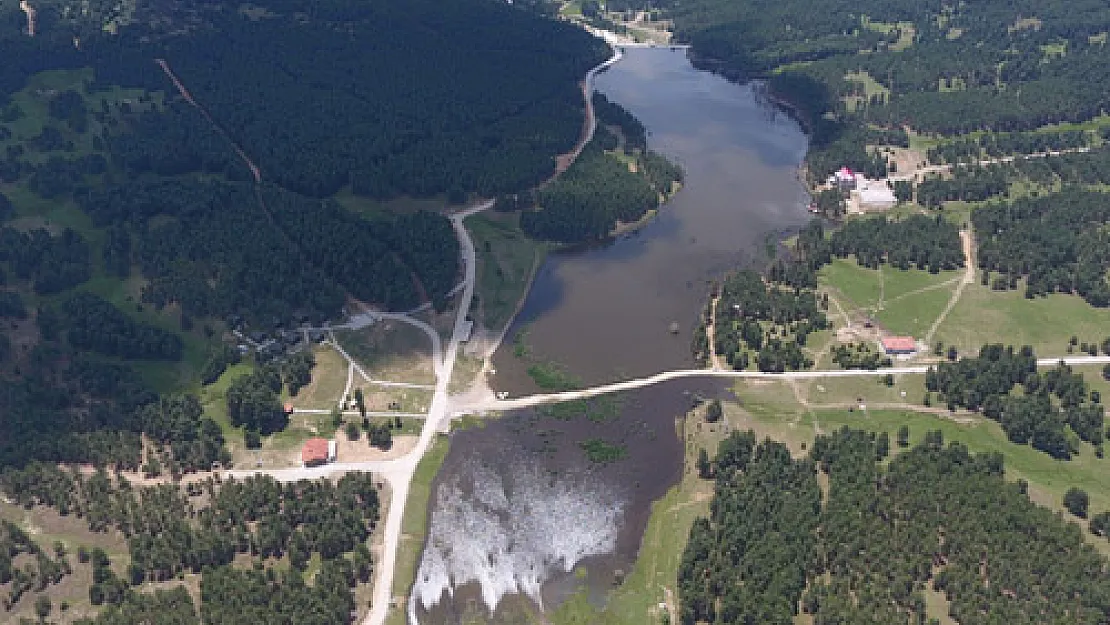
x,y
218,203
142,219
940,68
888,540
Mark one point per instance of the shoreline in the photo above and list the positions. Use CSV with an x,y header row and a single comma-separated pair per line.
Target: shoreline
x,y
564,161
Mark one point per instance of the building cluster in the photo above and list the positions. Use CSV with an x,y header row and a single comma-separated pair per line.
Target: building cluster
x,y
863,194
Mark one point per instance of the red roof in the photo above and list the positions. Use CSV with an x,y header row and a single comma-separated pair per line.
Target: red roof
x,y
899,344
315,450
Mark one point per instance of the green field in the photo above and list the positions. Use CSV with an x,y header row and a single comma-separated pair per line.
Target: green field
x,y
506,261
33,101
866,288
391,350
904,302
905,38
984,316
573,8
329,378
372,209
414,527
914,314
848,391
214,399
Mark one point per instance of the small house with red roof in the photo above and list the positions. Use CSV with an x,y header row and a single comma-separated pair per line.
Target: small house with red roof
x,y
895,345
317,451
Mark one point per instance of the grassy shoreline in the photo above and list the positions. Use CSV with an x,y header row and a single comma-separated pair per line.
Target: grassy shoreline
x,y
414,527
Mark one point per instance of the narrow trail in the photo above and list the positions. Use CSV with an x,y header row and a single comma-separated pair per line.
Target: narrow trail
x,y
350,381
840,310
967,238
921,172
882,289
255,172
589,127
710,334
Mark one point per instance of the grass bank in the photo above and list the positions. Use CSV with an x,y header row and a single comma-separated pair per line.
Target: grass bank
x,y
507,260
414,527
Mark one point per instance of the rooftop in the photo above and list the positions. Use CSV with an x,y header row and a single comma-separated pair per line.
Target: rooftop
x,y
315,450
899,344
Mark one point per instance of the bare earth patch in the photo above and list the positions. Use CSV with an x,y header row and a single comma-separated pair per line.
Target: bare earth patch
x,y
360,450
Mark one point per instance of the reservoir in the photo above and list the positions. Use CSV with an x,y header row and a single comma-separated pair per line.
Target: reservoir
x,y
604,313
539,504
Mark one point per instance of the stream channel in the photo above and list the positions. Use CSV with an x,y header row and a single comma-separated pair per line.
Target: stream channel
x,y
529,508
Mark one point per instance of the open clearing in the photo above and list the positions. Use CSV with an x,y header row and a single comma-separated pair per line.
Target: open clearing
x,y
901,301
391,350
33,101
214,399
329,379
914,314
983,316
45,526
869,288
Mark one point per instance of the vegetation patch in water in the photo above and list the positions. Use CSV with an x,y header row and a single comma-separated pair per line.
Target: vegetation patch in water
x,y
602,452
596,409
551,377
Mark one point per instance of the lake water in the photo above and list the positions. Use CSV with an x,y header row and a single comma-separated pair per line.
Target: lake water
x,y
519,511
604,313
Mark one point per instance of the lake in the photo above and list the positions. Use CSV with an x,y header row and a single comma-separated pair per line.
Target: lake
x,y
604,313
536,504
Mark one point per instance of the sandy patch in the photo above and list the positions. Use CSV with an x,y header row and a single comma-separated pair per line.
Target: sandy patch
x,y
360,450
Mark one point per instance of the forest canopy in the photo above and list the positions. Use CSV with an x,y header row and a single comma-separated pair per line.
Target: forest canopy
x,y
939,68
934,521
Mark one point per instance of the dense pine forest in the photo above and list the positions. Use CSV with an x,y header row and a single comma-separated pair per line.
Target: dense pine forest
x,y
936,67
768,319
616,180
134,232
1057,243
888,540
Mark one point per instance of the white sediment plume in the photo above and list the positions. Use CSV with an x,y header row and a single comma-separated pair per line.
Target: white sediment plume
x,y
508,533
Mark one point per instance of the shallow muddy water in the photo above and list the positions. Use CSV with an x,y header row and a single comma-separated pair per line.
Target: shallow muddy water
x,y
519,502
